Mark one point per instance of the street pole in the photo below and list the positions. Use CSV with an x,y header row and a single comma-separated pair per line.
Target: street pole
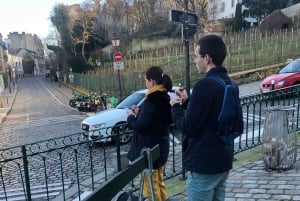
x,y
186,19
71,79
119,78
186,45
98,64
58,76
120,87
115,41
8,80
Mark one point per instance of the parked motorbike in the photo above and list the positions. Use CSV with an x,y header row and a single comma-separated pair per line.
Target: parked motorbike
x,y
75,99
90,103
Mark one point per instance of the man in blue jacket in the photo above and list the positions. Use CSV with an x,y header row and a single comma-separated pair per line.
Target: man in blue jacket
x,y
206,157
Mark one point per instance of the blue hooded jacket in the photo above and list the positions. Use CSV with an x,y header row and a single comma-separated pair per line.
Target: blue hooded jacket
x,y
204,152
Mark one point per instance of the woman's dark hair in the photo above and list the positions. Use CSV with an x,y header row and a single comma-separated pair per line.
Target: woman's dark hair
x,y
157,74
215,47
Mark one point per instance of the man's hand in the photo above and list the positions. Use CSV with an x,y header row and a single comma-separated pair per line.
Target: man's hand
x,y
181,92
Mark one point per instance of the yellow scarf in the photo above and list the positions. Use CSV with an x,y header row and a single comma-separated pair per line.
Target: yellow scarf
x,y
155,88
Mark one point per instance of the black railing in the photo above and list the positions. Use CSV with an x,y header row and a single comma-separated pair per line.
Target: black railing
x,y
70,167
110,188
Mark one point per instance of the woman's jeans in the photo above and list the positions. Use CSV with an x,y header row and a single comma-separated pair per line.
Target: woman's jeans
x,y
206,187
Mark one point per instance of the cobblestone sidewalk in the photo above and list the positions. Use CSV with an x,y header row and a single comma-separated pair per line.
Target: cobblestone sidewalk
x,y
252,182
7,98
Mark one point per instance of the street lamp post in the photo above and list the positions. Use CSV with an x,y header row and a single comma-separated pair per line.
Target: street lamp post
x,y
8,79
71,79
58,75
98,63
115,41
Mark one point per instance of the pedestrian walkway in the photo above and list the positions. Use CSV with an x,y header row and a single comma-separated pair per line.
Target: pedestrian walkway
x,y
248,181
7,98
252,182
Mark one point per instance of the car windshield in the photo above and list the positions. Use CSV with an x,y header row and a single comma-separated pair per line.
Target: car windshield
x,y
291,67
133,99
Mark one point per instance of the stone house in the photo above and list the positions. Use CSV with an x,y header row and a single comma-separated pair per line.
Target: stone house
x,y
29,43
15,62
3,57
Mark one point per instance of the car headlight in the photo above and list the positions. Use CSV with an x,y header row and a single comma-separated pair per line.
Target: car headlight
x,y
281,83
97,126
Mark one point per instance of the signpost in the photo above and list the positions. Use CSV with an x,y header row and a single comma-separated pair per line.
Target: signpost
x,y
186,19
118,63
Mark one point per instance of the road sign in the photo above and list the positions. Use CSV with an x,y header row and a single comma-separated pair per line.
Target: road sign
x,y
118,57
118,65
177,16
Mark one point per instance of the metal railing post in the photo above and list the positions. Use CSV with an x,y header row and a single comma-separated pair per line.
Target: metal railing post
x,y
183,176
118,149
273,93
26,173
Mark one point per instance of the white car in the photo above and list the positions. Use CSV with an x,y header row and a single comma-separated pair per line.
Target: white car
x,y
102,125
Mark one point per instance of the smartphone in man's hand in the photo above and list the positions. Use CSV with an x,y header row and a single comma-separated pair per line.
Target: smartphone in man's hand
x,y
173,95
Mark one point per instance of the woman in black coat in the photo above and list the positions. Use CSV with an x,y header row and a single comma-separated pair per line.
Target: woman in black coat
x,y
151,124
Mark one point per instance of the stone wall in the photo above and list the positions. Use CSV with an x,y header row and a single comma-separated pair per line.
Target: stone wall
x,y
138,45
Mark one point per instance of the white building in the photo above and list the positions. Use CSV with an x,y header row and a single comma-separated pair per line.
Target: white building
x,y
221,9
15,61
224,9
28,43
292,11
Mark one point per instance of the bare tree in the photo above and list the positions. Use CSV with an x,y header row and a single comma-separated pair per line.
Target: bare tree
x,y
112,16
82,31
212,12
201,12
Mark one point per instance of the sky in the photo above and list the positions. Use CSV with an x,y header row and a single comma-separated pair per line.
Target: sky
x,y
29,16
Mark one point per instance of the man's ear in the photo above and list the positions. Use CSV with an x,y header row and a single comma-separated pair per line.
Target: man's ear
x,y
207,59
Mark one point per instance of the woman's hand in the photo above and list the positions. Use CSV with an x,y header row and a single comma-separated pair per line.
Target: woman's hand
x,y
133,110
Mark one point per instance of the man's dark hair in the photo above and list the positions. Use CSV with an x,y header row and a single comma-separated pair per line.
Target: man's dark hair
x,y
215,47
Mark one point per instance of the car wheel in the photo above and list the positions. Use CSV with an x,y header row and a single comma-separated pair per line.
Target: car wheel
x,y
125,133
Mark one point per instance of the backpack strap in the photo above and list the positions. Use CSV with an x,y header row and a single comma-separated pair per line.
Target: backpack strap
x,y
222,82
219,80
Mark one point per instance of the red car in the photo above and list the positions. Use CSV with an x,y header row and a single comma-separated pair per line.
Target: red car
x,y
286,77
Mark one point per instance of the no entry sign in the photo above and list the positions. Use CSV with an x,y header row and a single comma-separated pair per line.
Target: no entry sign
x,y
118,57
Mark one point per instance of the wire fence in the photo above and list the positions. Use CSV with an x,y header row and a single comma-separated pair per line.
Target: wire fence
x,y
246,50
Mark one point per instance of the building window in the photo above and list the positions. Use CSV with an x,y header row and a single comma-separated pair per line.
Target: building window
x,y
232,3
222,7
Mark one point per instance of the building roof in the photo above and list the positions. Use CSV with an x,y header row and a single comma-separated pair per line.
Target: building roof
x,y
18,50
275,21
292,11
